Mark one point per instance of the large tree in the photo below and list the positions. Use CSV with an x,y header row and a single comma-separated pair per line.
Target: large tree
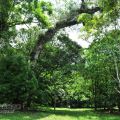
x,y
29,11
96,17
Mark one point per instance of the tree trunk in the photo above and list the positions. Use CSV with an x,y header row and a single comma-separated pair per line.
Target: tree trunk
x,y
54,103
95,96
28,104
118,103
54,97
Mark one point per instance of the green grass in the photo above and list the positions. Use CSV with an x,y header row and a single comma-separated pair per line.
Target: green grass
x,y
61,114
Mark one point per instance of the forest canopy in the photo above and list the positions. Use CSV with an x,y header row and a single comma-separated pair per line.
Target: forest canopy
x,y
38,58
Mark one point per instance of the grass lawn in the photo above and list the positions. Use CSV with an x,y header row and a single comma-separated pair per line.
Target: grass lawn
x,y
61,114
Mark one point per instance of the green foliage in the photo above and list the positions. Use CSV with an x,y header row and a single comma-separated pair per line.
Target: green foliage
x,y
16,78
57,61
84,17
96,23
41,10
100,68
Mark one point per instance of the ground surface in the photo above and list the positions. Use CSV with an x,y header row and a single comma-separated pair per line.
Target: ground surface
x,y
61,114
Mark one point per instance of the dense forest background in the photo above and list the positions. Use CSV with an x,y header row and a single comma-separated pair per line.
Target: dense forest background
x,y
41,66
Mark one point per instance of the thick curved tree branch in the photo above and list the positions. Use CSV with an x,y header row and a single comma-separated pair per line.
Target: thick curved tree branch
x,y
42,39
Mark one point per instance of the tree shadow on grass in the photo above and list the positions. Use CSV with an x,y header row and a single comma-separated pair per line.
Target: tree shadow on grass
x,y
24,116
74,112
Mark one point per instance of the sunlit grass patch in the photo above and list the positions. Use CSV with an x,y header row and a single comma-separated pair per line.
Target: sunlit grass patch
x,y
60,114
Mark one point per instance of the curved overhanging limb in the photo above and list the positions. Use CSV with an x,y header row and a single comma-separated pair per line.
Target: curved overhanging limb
x,y
44,38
